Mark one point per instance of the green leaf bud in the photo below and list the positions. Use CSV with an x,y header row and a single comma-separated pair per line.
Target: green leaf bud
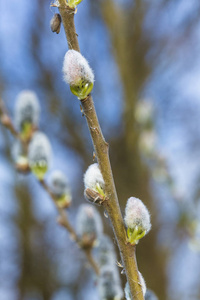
x,y
74,3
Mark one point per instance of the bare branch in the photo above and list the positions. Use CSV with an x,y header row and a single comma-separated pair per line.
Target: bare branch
x,y
127,251
6,120
62,219
67,15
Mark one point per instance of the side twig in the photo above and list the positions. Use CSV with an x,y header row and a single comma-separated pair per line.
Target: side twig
x,y
63,221
127,251
6,121
63,218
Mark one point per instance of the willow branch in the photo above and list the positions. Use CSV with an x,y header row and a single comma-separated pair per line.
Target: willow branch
x,y
63,218
88,254
111,205
6,120
63,221
67,15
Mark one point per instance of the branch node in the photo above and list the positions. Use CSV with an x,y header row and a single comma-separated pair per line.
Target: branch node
x,y
94,197
84,100
95,129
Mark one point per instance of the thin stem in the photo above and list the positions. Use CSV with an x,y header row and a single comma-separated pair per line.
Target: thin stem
x,y
90,258
63,218
6,121
127,251
67,15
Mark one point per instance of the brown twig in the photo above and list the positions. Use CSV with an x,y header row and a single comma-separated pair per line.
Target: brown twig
x,y
101,147
63,218
91,260
63,221
6,120
67,15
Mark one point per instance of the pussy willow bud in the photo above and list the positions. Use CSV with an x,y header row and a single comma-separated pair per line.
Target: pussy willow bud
x,y
60,189
78,74
74,3
143,285
144,113
93,180
88,225
27,112
39,155
109,283
105,251
150,295
147,143
20,157
137,220
56,23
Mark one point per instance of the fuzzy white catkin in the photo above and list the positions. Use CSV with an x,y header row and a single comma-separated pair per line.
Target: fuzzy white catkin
x,y
144,112
88,222
105,244
109,285
105,252
76,68
27,109
136,214
39,150
147,143
93,176
150,295
59,183
143,285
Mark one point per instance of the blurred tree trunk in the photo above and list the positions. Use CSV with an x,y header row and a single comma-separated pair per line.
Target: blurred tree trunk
x,y
37,272
130,47
37,277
